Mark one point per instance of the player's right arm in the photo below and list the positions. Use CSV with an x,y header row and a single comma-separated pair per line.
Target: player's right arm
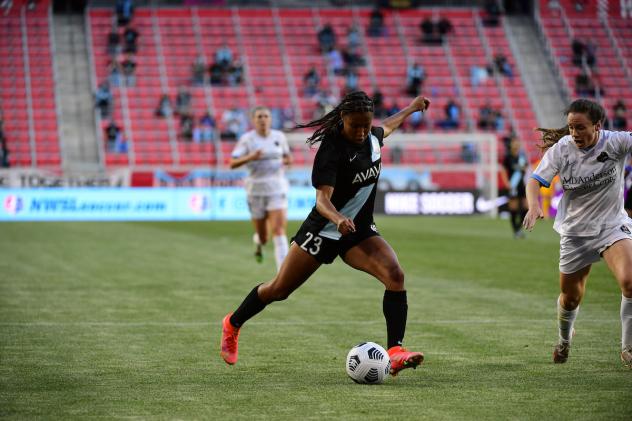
x,y
533,199
327,209
239,161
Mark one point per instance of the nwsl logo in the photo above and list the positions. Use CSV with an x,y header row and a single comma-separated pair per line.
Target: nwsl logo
x,y
198,203
13,204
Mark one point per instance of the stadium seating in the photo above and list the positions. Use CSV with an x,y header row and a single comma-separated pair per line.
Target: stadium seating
x,y
562,25
27,93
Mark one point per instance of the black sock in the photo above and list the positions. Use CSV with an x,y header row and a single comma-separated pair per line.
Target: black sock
x,y
515,222
395,308
250,307
523,213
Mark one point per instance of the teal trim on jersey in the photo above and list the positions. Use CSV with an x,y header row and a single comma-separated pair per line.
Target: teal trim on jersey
x,y
541,180
376,151
350,210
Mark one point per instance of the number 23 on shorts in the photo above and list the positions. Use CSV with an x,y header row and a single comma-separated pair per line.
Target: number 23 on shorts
x,y
312,243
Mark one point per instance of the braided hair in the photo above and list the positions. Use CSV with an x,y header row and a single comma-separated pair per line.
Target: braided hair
x,y
593,111
357,101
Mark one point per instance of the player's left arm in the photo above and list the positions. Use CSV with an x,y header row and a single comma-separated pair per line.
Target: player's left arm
x,y
287,151
391,123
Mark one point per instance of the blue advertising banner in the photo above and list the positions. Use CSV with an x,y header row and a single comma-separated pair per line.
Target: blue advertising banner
x,y
138,204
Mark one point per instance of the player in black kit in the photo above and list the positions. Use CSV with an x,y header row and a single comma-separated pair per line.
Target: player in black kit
x,y
514,168
345,174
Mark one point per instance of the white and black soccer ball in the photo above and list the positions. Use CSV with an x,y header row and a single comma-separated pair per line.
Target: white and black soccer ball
x,y
368,363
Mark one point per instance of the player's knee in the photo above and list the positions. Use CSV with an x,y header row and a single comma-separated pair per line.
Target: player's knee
x,y
395,277
570,301
626,286
276,293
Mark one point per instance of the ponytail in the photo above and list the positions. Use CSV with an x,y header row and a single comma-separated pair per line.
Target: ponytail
x,y
594,112
357,101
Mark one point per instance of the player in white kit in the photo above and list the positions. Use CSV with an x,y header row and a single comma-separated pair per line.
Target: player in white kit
x,y
590,219
265,152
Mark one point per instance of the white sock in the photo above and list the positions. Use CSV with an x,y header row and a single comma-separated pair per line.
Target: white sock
x,y
565,322
626,322
255,239
280,249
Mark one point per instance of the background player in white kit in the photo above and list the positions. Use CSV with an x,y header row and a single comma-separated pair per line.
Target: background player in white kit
x,y
591,220
265,152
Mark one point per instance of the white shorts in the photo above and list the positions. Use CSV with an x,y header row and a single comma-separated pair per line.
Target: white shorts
x,y
578,252
259,205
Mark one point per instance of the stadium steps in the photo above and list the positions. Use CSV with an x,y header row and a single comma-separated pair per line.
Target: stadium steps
x,y
74,90
537,73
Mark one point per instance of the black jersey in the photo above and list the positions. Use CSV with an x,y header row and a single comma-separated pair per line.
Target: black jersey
x,y
353,171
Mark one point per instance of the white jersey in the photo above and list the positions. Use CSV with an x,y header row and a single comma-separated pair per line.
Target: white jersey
x,y
592,180
266,175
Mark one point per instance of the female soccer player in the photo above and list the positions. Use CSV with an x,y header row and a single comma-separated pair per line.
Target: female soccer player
x,y
590,217
345,174
514,167
265,152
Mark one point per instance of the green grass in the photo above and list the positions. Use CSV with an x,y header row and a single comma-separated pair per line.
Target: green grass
x,y
121,320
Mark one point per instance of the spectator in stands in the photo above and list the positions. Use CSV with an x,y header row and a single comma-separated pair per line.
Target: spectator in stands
x,y
487,117
619,121
4,151
183,101
353,37
115,72
577,48
311,81
6,5
452,116
376,23
186,127
235,74
235,123
224,57
393,109
164,109
336,63
103,99
415,76
583,53
124,11
326,38
478,75
492,13
114,42
198,71
351,81
503,66
112,135
205,131
216,74
416,121
352,58
584,85
429,32
128,67
130,39
325,102
378,104
444,27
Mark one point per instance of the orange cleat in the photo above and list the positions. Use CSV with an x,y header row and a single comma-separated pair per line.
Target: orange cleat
x,y
402,358
230,336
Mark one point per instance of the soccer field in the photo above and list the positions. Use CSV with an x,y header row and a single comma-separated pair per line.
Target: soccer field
x,y
121,320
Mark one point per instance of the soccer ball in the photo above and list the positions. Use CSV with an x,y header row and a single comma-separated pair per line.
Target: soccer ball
x,y
368,363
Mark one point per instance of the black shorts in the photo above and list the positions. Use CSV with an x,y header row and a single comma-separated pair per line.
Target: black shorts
x,y
628,200
324,249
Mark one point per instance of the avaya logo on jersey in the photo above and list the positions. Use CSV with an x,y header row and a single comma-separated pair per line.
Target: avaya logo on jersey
x,y
371,173
13,204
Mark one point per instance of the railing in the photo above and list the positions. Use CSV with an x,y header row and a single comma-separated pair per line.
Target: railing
x,y
27,82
